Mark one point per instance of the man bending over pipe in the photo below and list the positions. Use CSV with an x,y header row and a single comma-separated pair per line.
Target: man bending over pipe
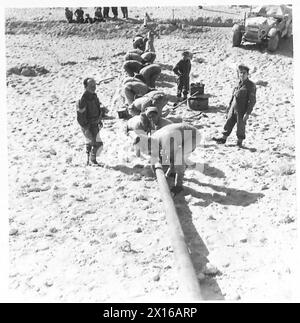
x,y
154,98
170,145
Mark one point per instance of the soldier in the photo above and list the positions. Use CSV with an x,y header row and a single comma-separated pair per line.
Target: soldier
x,y
69,15
154,98
155,119
124,12
89,116
105,12
134,62
240,106
146,19
150,74
139,42
133,57
88,19
134,88
148,57
79,15
150,42
98,15
185,139
182,69
137,125
145,123
115,12
132,67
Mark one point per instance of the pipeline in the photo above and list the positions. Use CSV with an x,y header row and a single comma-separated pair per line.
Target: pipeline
x,y
188,282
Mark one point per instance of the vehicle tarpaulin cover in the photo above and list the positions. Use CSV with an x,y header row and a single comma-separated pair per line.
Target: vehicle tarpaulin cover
x,y
273,11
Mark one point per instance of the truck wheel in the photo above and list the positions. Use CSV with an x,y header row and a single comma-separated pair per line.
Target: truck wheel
x,y
236,38
273,43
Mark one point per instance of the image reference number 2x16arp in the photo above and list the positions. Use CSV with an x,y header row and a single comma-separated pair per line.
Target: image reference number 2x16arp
x,y
151,312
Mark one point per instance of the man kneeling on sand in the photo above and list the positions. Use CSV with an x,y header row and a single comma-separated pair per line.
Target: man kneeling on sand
x,y
89,116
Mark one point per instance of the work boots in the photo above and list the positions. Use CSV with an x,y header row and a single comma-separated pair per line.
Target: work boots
x,y
239,143
221,140
179,97
91,156
88,153
96,150
94,160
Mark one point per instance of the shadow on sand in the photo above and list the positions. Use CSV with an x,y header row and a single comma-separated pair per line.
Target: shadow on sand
x,y
223,195
166,78
251,149
213,172
164,84
210,289
166,67
216,108
285,47
230,196
137,169
172,98
199,252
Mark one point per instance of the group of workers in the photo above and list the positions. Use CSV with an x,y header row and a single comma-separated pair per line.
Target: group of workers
x,y
80,17
146,125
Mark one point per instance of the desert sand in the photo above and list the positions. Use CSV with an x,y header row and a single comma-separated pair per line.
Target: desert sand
x,y
99,234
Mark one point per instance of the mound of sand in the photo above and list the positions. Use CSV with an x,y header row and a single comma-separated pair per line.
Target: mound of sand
x,y
27,70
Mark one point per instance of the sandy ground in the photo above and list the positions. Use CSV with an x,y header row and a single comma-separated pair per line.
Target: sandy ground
x,y
161,13
91,234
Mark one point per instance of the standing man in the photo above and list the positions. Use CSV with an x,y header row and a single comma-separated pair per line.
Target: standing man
x,y
105,12
89,116
124,12
69,14
115,12
240,106
182,69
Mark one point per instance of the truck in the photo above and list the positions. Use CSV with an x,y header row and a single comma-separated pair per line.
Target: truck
x,y
264,25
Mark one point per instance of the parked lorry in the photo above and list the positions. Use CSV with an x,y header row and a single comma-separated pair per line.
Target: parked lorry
x,y
264,24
